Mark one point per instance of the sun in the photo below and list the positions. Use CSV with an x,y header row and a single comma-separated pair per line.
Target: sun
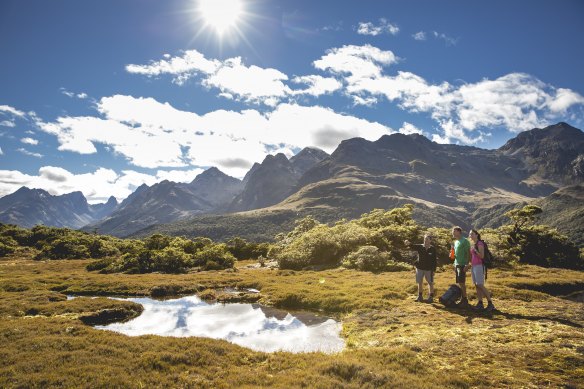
x,y
221,15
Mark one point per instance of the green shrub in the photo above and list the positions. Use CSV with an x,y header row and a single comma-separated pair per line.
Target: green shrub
x,y
367,258
214,257
525,242
130,246
8,241
312,243
242,249
157,242
6,249
170,260
100,247
63,248
100,264
370,258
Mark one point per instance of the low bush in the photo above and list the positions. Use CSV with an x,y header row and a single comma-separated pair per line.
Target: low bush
x,y
214,257
370,258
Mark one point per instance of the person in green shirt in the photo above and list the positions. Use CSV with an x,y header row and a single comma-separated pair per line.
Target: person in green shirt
x,y
461,263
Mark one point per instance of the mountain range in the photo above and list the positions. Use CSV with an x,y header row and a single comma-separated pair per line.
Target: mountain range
x,y
29,207
449,184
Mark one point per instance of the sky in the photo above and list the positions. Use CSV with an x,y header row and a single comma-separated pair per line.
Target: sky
x,y
103,96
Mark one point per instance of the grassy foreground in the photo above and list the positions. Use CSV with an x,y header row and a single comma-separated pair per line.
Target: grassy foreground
x,y
535,340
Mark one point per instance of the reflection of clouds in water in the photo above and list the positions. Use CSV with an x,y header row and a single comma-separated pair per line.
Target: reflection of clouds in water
x,y
243,324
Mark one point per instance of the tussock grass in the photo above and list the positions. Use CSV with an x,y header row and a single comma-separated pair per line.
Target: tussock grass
x,y
536,339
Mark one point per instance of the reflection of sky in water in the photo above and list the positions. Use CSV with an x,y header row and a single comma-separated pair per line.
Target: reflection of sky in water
x,y
249,325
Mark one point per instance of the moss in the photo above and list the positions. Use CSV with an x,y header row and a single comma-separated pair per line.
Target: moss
x,y
112,315
535,339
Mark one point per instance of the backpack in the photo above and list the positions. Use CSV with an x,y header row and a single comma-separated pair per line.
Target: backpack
x,y
488,257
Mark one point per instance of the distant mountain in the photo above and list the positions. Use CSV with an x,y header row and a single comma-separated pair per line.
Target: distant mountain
x,y
361,174
216,187
168,201
274,179
550,155
563,209
103,210
449,184
29,207
306,159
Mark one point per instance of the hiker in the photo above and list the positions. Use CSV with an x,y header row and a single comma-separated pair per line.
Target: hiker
x,y
425,267
461,263
477,252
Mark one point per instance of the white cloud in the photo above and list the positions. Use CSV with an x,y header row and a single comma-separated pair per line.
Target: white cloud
x,y
333,27
356,61
68,93
317,85
8,123
248,83
11,110
152,134
367,101
184,67
514,101
384,26
409,128
29,153
419,36
234,79
144,146
30,141
178,175
564,99
450,41
1,152
97,186
318,126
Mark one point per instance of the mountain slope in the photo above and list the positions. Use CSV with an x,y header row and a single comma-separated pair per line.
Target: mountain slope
x,y
554,153
563,209
168,201
449,184
29,207
274,179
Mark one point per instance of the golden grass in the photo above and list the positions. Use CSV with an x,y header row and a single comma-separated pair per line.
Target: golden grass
x,y
535,340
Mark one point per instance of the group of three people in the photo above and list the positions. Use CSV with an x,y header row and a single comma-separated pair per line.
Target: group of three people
x,y
467,256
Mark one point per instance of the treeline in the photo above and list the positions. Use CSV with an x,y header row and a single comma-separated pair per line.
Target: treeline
x,y
157,253
375,242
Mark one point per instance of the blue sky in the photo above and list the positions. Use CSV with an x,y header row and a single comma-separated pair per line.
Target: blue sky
x,y
102,96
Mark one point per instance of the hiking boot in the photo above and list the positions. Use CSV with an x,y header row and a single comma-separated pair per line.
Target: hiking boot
x,y
463,303
430,299
419,299
479,306
490,307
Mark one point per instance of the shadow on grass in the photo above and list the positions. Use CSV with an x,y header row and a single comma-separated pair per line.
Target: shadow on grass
x,y
470,314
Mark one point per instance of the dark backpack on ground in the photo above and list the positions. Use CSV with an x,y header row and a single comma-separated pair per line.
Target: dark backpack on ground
x,y
451,296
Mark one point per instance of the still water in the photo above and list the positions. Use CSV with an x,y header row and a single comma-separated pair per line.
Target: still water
x,y
250,325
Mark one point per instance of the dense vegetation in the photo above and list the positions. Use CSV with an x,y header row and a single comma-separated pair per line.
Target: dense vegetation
x,y
157,253
373,242
349,242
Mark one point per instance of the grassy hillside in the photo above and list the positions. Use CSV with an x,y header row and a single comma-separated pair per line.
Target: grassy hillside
x,y
535,339
264,224
563,209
